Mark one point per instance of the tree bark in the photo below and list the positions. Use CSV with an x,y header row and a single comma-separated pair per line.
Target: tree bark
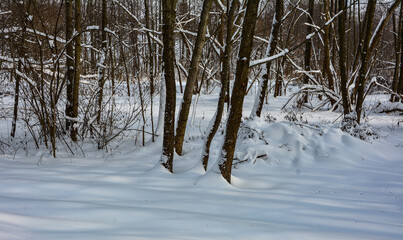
x,y
169,15
191,79
238,92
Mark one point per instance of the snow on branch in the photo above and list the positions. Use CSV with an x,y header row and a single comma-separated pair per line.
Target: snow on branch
x,y
268,59
3,13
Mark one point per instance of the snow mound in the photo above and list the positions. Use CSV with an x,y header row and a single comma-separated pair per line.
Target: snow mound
x,y
289,143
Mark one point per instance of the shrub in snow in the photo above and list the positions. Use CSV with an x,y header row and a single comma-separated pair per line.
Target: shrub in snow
x,y
269,118
248,130
362,131
293,116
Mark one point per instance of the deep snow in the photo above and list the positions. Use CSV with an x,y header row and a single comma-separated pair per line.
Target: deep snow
x,y
310,181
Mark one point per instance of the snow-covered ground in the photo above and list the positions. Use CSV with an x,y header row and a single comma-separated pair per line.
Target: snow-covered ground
x,y
298,181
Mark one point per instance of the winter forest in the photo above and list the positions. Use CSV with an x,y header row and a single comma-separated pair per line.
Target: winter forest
x,y
201,119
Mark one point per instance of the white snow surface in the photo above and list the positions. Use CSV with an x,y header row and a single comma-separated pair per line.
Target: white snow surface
x,y
298,181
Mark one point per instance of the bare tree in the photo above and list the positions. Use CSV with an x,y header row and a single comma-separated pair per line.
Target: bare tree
x,y
69,62
238,91
365,61
151,61
343,57
308,44
327,70
77,67
398,49
225,75
20,47
101,63
192,75
169,15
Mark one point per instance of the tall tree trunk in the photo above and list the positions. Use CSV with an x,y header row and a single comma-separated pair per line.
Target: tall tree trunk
x,y
16,100
308,44
271,48
151,67
400,85
398,49
326,44
69,62
216,120
101,61
168,36
191,79
77,67
21,54
342,58
239,89
362,77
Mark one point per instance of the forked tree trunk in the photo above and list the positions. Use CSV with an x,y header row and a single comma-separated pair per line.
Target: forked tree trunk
x,y
168,55
238,91
191,79
216,120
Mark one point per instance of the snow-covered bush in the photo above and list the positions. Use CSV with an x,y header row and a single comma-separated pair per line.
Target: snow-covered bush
x,y
362,131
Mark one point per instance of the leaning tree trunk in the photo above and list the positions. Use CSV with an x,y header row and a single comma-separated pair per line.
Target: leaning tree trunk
x,y
168,36
362,77
216,120
191,79
271,48
238,91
